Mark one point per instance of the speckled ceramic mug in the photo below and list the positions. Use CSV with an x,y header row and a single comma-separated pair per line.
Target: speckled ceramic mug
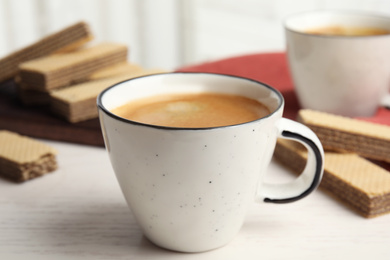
x,y
189,188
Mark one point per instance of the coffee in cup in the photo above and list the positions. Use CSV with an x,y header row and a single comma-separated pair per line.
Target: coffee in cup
x,y
193,110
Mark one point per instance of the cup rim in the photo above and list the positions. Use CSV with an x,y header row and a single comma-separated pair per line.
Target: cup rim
x,y
361,13
102,108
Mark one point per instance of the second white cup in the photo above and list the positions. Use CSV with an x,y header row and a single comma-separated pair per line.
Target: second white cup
x,y
345,75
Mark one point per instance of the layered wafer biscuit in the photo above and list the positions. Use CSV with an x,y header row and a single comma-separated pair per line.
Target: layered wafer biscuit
x,y
30,97
61,70
362,185
23,158
114,70
344,134
78,103
68,39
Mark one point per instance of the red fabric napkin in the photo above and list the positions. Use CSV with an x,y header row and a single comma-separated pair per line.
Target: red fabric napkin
x,y
272,69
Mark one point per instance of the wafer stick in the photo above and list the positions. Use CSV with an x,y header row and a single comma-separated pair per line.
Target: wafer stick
x,y
78,103
61,70
114,70
31,97
362,185
344,134
67,39
23,158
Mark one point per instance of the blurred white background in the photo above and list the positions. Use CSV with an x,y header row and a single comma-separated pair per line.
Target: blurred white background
x,y
167,33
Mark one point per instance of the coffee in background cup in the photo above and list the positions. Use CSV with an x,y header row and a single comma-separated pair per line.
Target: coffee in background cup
x,y
339,60
337,30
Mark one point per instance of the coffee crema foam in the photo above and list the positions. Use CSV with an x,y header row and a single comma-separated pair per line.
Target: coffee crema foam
x,y
193,110
347,31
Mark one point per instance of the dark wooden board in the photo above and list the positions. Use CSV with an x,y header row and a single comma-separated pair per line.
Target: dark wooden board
x,y
39,122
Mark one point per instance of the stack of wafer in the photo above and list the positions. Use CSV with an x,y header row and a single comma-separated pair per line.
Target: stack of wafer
x,y
23,158
361,184
78,102
348,174
67,39
38,77
70,79
71,82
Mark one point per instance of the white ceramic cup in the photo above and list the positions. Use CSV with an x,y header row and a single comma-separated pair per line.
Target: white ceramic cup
x,y
189,188
345,75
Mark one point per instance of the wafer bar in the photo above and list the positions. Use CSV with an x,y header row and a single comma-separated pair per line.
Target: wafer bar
x,y
357,182
344,134
32,97
114,70
61,70
23,158
67,39
78,103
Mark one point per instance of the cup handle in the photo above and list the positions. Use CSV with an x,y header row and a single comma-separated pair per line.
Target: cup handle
x,y
311,176
385,102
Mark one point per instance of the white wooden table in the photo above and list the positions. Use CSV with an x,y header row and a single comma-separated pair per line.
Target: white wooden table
x,y
78,212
